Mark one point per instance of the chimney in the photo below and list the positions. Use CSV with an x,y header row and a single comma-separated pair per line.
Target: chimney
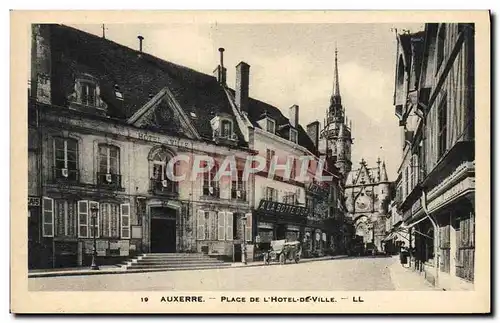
x,y
313,132
293,115
220,71
242,84
140,42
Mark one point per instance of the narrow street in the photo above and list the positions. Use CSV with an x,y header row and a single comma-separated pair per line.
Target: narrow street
x,y
348,274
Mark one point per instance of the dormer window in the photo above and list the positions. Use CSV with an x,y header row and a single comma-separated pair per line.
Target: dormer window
x,y
270,125
226,128
294,136
88,93
222,126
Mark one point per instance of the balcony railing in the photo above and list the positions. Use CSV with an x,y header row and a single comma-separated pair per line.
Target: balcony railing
x,y
111,181
240,195
211,191
163,187
65,175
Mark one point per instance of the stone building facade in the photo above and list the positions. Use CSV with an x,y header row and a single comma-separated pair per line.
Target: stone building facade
x,y
368,193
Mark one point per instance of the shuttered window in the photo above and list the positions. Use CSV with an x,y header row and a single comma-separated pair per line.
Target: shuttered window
x,y
48,217
229,226
248,228
200,225
221,225
125,220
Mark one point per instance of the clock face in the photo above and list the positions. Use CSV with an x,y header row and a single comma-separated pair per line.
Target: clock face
x,y
362,203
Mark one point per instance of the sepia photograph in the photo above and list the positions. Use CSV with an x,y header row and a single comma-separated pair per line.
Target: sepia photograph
x,y
207,155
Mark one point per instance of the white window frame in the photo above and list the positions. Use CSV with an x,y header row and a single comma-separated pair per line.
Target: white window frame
x,y
46,200
248,227
200,225
273,127
122,216
294,131
65,143
88,217
229,226
221,133
108,158
221,219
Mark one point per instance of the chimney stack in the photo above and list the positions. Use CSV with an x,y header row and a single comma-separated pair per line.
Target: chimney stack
x,y
294,115
220,71
313,132
140,42
242,86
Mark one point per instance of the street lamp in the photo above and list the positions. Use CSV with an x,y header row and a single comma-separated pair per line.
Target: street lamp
x,y
244,244
94,210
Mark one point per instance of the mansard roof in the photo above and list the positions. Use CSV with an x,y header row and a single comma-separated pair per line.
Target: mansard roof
x,y
139,77
258,109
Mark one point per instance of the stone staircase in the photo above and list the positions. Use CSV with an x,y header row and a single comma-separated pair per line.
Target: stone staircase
x,y
173,261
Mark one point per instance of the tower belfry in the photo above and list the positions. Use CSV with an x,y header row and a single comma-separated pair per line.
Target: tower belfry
x,y
337,132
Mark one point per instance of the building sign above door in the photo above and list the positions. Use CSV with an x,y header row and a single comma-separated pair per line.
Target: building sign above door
x,y
176,142
282,208
33,201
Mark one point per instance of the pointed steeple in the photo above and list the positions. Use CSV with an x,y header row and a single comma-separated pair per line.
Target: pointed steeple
x,y
336,86
335,100
383,177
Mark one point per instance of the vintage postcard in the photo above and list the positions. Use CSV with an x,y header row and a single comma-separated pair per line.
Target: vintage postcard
x,y
250,162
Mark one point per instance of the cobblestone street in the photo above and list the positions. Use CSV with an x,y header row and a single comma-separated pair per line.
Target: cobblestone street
x,y
348,274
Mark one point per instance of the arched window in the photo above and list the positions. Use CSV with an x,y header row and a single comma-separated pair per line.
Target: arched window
x,y
161,172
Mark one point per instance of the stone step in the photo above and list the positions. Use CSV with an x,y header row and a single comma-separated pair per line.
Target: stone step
x,y
176,261
176,266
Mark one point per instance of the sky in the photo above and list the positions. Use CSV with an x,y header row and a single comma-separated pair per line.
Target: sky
x,y
293,64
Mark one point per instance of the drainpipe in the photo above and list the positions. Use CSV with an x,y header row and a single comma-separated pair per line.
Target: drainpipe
x,y
436,237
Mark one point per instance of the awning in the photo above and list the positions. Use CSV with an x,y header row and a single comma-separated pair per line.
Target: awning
x,y
389,237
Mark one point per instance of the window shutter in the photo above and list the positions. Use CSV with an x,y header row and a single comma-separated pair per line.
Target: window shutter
x,y
48,217
83,219
125,220
248,233
211,227
275,193
229,225
94,226
200,229
221,222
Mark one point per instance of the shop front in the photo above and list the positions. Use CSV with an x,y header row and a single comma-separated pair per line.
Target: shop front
x,y
276,221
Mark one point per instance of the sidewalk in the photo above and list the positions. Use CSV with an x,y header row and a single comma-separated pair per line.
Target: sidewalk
x,y
404,279
106,270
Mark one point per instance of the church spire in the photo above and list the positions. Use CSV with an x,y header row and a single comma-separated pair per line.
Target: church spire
x,y
335,100
336,86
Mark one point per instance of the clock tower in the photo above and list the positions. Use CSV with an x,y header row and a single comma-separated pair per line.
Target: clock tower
x,y
367,193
